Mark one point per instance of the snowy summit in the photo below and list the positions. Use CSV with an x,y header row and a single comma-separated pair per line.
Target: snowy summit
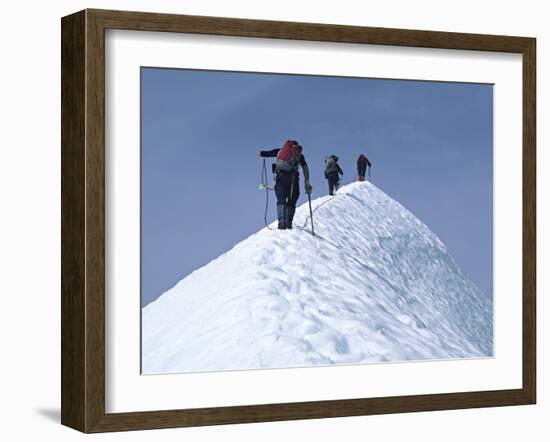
x,y
373,285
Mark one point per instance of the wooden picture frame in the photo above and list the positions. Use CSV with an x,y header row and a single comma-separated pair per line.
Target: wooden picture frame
x,y
83,220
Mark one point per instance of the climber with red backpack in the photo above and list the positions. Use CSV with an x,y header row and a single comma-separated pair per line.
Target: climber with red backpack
x,y
289,157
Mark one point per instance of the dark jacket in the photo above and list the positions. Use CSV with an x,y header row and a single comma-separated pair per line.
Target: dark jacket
x,y
363,161
274,152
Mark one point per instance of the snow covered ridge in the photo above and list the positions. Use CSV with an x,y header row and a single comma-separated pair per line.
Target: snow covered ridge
x,y
374,285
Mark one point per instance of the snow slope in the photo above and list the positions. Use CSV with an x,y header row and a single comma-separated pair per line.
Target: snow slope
x,y
374,284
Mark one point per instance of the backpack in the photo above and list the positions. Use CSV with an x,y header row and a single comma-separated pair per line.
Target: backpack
x,y
363,161
331,165
288,157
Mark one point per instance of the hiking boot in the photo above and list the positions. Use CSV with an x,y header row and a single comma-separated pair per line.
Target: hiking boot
x,y
281,216
290,216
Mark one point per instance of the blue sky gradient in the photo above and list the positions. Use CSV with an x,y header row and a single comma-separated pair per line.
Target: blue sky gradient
x,y
431,145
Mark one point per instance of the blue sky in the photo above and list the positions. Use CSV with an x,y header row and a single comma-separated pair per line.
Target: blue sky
x,y
431,145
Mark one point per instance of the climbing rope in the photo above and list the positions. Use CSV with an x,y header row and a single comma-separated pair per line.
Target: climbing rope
x,y
317,207
264,186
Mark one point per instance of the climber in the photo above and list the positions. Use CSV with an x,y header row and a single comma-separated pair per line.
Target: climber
x,y
332,173
289,157
362,163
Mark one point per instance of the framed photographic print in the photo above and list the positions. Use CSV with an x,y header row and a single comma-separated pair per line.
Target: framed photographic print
x,y
269,220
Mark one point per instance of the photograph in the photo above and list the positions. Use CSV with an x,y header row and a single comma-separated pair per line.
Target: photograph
x,y
311,220
295,217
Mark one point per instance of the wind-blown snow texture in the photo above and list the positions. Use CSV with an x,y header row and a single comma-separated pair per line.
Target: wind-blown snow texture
x,y
374,284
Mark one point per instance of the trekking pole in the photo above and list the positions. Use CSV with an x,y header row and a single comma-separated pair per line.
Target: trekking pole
x,y
311,214
369,175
